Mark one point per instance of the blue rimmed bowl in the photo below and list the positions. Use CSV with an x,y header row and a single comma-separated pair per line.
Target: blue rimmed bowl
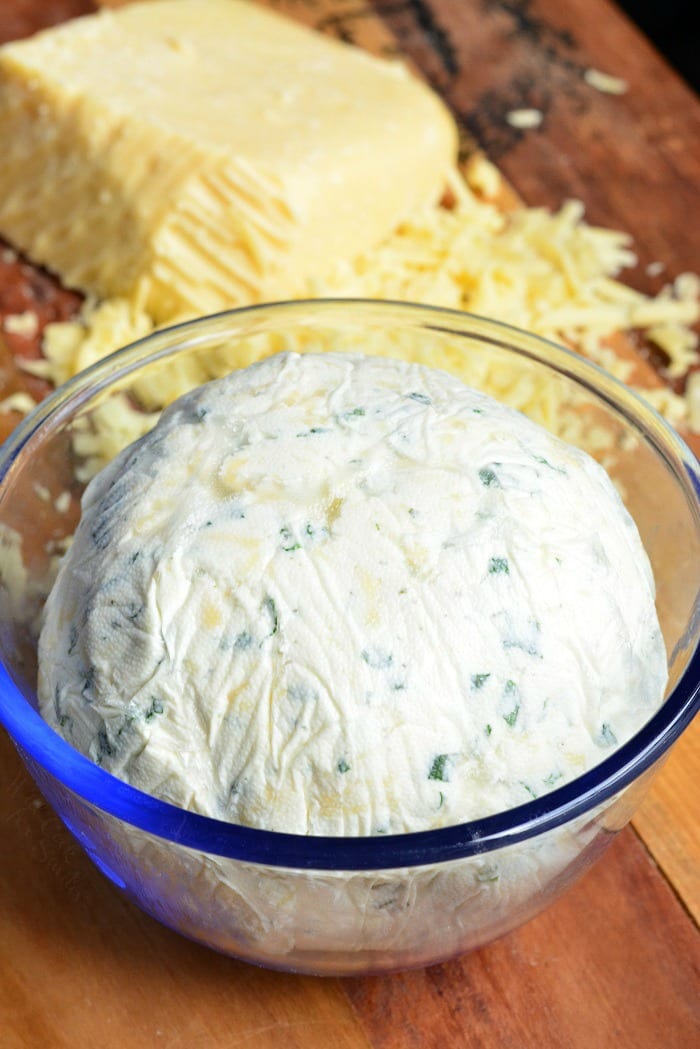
x,y
342,905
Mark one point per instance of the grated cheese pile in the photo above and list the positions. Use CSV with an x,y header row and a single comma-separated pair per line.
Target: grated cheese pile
x,y
552,274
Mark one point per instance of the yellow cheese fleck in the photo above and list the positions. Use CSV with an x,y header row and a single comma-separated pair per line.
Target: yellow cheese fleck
x,y
211,618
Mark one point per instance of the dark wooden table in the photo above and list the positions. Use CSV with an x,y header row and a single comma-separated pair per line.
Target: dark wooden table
x,y
616,963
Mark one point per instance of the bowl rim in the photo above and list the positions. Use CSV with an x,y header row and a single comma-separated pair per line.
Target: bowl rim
x,y
41,746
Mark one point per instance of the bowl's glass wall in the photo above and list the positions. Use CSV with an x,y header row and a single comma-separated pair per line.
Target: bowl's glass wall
x,y
340,922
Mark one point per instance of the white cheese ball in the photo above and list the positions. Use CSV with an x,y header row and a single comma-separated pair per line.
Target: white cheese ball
x,y
335,594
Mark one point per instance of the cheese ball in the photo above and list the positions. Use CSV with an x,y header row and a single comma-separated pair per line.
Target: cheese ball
x,y
347,595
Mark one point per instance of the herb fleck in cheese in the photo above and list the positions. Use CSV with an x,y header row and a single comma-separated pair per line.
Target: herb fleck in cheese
x,y
349,595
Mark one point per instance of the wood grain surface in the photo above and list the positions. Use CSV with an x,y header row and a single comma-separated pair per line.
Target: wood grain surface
x,y
615,963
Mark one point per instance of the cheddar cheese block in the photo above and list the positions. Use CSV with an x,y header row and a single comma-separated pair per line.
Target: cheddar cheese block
x,y
196,154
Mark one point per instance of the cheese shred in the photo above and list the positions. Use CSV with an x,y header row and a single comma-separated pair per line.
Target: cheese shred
x,y
549,273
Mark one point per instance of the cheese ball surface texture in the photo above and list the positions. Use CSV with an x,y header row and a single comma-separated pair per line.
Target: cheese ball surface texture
x,y
334,594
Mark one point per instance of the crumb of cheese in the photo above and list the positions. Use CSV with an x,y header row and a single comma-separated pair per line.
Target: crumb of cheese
x,y
17,402
525,118
62,502
693,396
609,85
483,177
26,323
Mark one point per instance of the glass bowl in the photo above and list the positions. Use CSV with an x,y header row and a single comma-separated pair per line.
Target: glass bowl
x,y
342,905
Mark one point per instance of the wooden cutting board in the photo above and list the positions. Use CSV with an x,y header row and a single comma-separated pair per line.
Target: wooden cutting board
x,y
616,962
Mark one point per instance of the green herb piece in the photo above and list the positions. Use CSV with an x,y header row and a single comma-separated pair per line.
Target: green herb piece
x,y
545,462
530,791
288,542
101,534
479,680
438,768
442,800
422,398
104,746
312,431
489,730
511,718
156,707
499,566
530,647
316,532
552,778
511,687
343,766
134,611
606,737
377,658
488,477
88,683
128,719
243,641
271,608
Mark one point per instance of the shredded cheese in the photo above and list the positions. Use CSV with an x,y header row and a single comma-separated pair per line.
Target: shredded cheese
x,y
609,85
26,323
693,396
549,273
525,118
484,177
62,502
17,402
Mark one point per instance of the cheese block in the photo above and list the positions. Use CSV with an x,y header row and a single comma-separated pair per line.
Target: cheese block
x,y
191,155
